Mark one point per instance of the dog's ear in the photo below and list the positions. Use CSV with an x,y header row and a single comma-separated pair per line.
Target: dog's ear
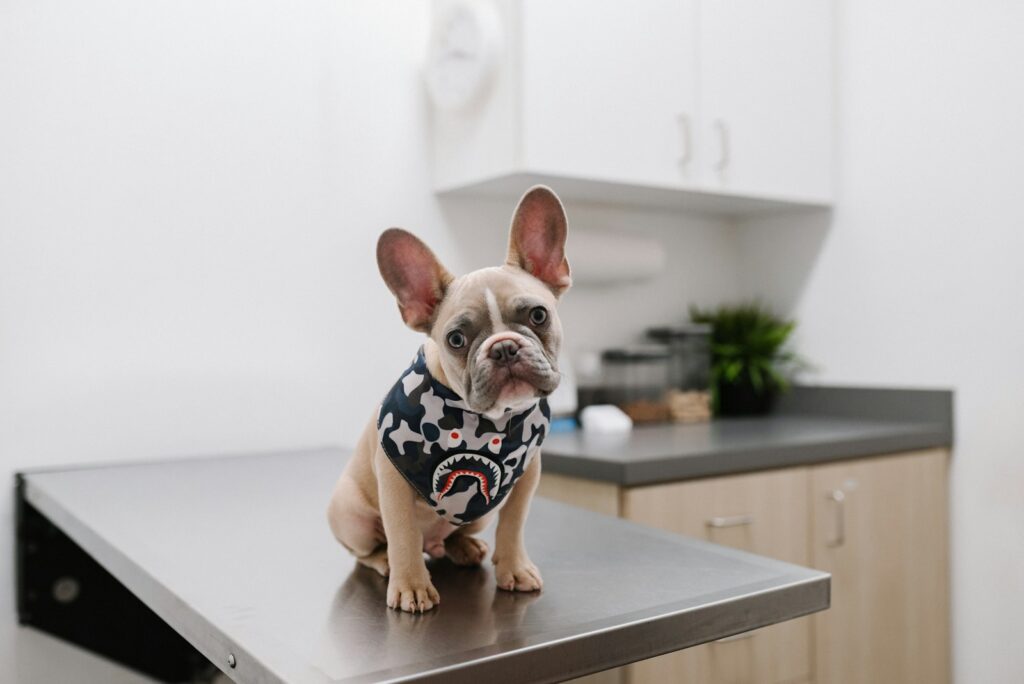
x,y
414,276
537,238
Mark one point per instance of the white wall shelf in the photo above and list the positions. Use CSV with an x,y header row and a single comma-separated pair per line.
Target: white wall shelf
x,y
596,190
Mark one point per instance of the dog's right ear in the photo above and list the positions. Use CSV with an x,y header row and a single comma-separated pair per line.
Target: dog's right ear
x,y
414,276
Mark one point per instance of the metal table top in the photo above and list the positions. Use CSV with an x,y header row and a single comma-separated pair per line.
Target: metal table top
x,y
235,554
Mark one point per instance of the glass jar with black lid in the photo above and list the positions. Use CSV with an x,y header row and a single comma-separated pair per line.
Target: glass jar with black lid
x,y
689,370
636,379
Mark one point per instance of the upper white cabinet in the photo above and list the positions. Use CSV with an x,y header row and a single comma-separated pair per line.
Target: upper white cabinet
x,y
766,86
722,105
609,91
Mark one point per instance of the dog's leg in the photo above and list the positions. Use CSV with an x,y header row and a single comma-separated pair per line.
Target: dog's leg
x,y
377,561
409,586
353,520
513,568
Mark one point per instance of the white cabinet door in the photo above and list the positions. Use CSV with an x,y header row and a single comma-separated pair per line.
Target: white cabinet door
x,y
766,74
610,90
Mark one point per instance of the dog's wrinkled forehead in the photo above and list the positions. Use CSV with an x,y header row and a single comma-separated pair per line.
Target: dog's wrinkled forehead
x,y
491,298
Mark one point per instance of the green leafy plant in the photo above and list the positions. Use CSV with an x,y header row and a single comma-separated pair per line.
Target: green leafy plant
x,y
748,344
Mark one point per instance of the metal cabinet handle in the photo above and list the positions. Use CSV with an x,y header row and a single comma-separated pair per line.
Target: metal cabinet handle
x,y
838,496
686,139
734,637
725,152
730,520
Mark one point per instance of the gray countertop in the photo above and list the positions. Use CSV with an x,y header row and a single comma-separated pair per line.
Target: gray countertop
x,y
234,553
814,425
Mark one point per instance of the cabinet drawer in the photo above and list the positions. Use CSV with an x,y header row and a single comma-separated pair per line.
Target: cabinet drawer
x,y
764,513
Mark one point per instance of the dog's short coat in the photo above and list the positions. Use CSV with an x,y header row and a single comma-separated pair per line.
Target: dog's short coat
x,y
493,338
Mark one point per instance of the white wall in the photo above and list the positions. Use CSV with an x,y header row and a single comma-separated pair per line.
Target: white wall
x,y
918,280
189,197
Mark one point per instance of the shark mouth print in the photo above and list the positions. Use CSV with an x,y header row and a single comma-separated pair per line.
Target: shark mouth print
x,y
481,468
461,463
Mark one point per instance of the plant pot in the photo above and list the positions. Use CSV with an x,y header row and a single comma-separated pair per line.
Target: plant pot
x,y
742,399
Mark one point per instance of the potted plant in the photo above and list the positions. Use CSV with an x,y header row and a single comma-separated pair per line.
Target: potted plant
x,y
750,364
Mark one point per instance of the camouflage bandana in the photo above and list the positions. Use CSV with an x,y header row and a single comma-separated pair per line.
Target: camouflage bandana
x,y
461,462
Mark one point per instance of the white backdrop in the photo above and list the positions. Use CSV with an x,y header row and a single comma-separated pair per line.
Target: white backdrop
x,y
919,281
190,194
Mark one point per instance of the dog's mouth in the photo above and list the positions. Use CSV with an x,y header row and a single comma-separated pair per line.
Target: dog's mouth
x,y
452,472
508,385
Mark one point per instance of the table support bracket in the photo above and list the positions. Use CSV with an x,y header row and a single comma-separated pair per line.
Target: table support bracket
x,y
63,591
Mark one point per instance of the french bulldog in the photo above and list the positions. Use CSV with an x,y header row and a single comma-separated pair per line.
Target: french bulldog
x,y
456,441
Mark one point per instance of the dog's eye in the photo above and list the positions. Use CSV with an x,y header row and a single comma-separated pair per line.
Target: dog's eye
x,y
456,340
538,315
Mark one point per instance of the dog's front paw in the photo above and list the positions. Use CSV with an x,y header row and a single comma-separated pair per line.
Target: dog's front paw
x,y
517,573
412,593
465,550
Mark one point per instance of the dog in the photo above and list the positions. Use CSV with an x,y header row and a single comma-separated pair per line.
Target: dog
x,y
456,441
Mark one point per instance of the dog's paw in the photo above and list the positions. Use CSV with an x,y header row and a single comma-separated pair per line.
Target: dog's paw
x,y
517,574
412,593
465,550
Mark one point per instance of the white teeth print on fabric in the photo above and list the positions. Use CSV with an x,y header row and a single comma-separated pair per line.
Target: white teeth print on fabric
x,y
445,467
482,470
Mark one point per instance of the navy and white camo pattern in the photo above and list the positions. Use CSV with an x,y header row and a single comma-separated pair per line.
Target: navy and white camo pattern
x,y
461,462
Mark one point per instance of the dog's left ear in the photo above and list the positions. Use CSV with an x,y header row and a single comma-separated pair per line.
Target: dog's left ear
x,y
537,238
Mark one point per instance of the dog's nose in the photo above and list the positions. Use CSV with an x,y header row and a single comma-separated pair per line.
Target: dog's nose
x,y
504,350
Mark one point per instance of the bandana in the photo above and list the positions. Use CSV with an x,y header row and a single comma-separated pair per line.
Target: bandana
x,y
461,462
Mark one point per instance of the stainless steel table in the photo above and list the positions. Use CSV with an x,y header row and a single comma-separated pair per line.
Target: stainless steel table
x,y
235,555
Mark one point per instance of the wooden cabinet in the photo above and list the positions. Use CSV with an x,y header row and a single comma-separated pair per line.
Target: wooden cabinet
x,y
764,513
880,528
879,525
702,103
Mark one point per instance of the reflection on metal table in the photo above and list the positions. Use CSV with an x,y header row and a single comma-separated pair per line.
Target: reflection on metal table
x,y
234,555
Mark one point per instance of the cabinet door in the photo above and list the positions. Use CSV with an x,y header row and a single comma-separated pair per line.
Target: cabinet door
x,y
765,513
766,75
880,527
609,90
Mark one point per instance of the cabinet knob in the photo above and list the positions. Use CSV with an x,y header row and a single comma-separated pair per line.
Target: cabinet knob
x,y
838,497
730,520
685,139
724,149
